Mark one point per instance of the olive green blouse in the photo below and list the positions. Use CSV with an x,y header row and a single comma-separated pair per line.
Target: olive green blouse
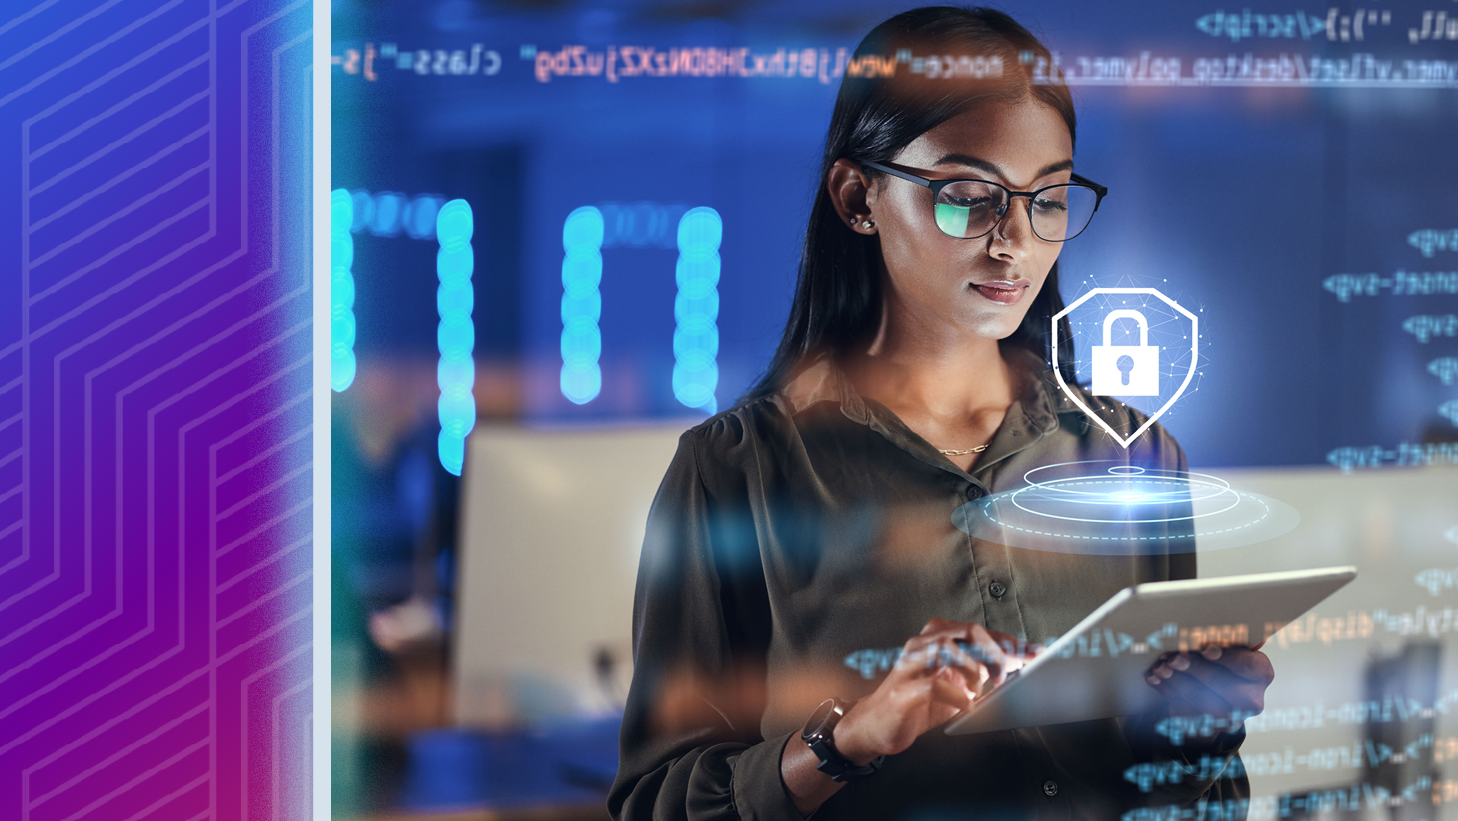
x,y
796,531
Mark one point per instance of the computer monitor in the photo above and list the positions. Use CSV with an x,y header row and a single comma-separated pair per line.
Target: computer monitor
x,y
552,525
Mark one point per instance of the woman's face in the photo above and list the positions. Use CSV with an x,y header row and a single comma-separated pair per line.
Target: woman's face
x,y
971,287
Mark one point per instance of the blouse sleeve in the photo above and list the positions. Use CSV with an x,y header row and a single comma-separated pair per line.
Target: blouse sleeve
x,y
690,746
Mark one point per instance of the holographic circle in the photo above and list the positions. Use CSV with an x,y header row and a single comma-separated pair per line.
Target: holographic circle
x,y
1114,508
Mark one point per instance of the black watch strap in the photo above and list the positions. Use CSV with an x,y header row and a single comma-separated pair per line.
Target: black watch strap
x,y
817,735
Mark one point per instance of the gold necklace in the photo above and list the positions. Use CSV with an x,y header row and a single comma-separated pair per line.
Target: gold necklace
x,y
977,449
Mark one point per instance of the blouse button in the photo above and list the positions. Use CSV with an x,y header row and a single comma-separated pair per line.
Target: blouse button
x,y
997,590
1050,788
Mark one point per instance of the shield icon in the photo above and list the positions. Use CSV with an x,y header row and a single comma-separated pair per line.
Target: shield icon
x,y
1125,370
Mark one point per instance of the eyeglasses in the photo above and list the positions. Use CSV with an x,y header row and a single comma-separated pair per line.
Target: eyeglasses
x,y
968,209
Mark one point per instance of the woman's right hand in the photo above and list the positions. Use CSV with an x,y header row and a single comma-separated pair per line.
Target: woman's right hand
x,y
934,679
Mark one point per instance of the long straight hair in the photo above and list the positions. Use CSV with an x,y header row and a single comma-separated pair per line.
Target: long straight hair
x,y
837,302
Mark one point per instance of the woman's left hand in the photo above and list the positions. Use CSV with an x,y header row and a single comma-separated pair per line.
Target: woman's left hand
x,y
1216,681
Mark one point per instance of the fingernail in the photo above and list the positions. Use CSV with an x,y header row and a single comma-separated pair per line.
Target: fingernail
x,y
1212,652
1180,662
1154,680
1163,671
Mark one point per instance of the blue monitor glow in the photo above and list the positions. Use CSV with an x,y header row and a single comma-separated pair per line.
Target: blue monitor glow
x,y
1281,171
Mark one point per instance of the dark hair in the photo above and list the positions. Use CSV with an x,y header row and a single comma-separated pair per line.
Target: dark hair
x,y
838,293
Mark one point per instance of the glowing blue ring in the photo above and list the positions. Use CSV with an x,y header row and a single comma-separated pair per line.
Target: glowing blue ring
x,y
1097,497
1140,538
1049,486
1094,497
1027,477
1058,486
1014,499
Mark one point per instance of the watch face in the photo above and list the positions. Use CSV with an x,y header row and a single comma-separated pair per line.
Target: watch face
x,y
818,718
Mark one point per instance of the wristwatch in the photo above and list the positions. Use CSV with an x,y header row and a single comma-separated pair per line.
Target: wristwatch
x,y
817,734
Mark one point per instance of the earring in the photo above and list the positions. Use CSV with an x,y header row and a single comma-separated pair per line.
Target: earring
x,y
867,223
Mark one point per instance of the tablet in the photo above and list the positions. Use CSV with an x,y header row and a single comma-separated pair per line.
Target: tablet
x,y
1096,670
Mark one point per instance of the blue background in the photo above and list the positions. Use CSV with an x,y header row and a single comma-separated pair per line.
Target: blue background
x,y
1237,202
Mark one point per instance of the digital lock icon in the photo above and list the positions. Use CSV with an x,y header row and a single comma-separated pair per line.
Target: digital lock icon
x,y
1126,370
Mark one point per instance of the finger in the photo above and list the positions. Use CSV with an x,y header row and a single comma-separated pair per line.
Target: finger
x,y
931,657
1014,647
913,657
922,649
983,675
1180,707
1162,668
1177,705
915,651
1251,665
990,653
918,653
972,670
959,654
982,652
1244,694
1159,679
1194,696
1201,665
941,626
937,645
1209,673
942,629
952,690
1006,640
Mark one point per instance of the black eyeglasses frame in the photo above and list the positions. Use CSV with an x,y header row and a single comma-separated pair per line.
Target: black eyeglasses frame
x,y
936,187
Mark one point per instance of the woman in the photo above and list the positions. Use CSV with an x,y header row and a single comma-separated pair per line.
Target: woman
x,y
812,523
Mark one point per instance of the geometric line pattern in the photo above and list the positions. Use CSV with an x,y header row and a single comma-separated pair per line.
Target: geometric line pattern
x,y
156,433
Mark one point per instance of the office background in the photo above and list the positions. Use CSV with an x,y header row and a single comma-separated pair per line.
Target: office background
x,y
1285,173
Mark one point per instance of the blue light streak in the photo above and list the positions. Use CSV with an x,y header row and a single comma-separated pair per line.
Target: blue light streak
x,y
696,309
388,213
456,334
582,236
342,364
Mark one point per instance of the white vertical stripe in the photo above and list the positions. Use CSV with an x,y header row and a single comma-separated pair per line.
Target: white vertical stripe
x,y
322,398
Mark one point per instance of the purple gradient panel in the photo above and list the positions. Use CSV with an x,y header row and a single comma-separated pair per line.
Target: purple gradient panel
x,y
155,414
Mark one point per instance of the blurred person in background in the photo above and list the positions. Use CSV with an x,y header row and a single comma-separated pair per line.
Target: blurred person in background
x,y
814,520
395,506
392,537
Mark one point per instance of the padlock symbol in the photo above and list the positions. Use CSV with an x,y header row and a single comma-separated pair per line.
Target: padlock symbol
x,y
1126,370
